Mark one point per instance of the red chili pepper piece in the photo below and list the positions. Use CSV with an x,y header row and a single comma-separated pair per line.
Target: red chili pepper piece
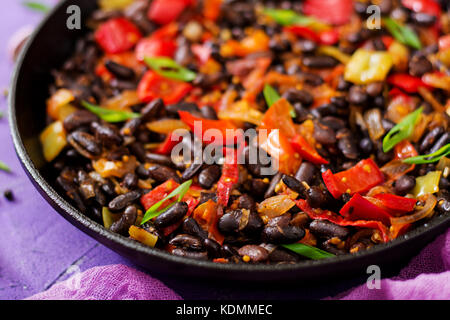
x,y
306,151
358,179
209,127
396,204
153,86
336,219
169,143
229,178
406,82
332,11
117,35
303,32
154,47
166,11
329,37
359,208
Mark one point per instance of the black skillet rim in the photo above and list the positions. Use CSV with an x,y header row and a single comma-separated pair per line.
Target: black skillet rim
x,y
77,218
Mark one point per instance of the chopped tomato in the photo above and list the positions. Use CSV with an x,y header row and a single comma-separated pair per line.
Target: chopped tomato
x,y
166,11
117,35
153,86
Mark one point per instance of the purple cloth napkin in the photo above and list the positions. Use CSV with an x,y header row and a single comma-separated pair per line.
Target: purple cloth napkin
x,y
118,282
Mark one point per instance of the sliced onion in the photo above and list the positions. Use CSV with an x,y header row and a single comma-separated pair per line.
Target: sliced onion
x,y
430,203
275,206
166,126
373,119
396,168
377,190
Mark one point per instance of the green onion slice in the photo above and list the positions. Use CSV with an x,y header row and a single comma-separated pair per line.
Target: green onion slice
x,y
308,251
430,158
402,33
4,167
401,131
110,115
288,17
37,6
153,212
170,69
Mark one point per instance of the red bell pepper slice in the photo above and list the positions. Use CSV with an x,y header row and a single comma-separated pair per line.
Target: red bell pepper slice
x,y
168,144
329,37
207,126
395,204
425,6
303,32
229,178
117,35
387,41
359,208
166,11
331,11
317,213
153,86
155,47
158,193
406,82
306,151
358,179
444,42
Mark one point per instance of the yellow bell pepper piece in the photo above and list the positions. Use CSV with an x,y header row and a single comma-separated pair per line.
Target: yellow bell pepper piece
x,y
368,66
428,183
53,140
114,4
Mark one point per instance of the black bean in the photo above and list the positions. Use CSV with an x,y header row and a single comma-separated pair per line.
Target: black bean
x,y
190,172
404,184
108,188
152,110
229,222
122,85
158,159
329,247
187,241
251,224
273,183
302,96
334,123
123,200
293,184
324,134
423,19
312,79
302,113
327,229
366,145
246,202
258,188
442,141
191,226
254,252
125,222
306,173
324,110
209,113
213,248
419,65
229,251
209,176
430,138
183,55
85,144
307,46
280,255
107,134
183,106
119,70
320,62
357,95
374,89
171,215
130,127
278,231
347,145
316,197
162,173
78,119
130,181
339,102
197,255
343,85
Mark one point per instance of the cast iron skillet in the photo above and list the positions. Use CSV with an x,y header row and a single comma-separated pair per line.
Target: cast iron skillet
x,y
48,48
